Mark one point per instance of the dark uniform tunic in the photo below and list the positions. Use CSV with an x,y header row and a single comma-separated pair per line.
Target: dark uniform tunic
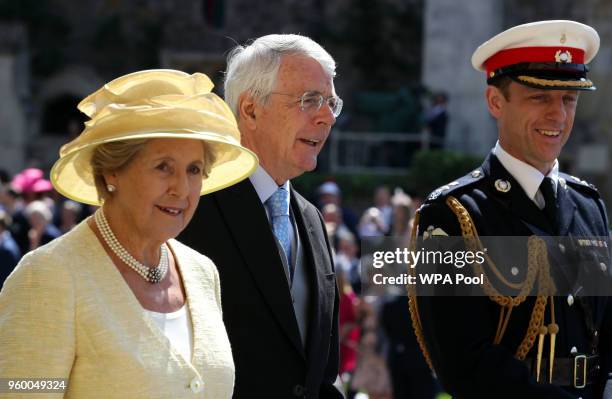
x,y
459,331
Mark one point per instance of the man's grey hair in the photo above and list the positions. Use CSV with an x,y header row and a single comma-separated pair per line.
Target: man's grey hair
x,y
254,68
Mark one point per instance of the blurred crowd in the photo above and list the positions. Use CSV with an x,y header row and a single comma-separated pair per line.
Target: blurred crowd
x,y
31,214
379,356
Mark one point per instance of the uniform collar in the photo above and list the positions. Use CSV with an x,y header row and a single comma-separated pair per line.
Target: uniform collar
x,y
265,185
526,175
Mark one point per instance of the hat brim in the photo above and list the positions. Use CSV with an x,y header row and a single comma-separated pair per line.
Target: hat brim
x,y
72,174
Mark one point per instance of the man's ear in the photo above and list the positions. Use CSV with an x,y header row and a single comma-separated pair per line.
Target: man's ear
x,y
247,109
495,101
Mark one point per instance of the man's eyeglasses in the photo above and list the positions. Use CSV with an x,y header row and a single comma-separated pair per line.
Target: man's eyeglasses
x,y
311,101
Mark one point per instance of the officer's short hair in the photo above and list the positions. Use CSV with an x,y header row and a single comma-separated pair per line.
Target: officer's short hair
x,y
503,84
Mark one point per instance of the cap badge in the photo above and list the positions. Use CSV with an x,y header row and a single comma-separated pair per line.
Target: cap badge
x,y
563,56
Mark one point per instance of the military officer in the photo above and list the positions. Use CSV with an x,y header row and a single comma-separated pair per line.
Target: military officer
x,y
538,345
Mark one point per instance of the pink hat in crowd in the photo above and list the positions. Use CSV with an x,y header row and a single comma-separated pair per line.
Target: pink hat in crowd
x,y
31,181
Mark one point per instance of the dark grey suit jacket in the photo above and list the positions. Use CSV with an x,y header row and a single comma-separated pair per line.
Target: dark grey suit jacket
x,y
231,227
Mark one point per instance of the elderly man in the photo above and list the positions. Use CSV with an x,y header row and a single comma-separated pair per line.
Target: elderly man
x,y
505,346
280,302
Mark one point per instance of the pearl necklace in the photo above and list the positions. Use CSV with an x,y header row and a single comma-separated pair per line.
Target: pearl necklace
x,y
151,274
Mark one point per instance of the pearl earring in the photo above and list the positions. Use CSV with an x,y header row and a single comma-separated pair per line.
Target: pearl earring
x,y
111,188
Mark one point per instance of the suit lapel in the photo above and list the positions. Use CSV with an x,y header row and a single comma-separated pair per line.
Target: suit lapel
x,y
192,281
319,273
248,223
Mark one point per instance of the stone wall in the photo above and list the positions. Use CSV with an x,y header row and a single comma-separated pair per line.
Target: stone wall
x,y
453,30
14,92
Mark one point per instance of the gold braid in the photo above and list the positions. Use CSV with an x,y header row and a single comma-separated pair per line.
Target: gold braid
x,y
538,267
537,253
412,299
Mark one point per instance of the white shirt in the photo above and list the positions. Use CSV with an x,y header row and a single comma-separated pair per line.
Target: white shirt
x,y
177,327
528,177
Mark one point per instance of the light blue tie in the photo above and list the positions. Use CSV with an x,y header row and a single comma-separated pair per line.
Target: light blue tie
x,y
278,204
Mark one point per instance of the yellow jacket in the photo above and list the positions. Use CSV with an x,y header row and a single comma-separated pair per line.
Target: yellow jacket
x,y
66,312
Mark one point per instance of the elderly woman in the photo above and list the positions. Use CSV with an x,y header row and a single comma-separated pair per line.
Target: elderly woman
x,y
42,230
116,306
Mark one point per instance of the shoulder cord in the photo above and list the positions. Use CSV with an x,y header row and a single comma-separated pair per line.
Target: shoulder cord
x,y
538,266
412,298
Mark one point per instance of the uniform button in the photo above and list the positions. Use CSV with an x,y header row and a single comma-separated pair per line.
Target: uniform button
x,y
596,333
573,351
603,267
562,248
570,299
299,391
196,385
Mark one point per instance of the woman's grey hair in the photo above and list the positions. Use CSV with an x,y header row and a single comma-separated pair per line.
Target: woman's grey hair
x,y
40,208
116,155
254,68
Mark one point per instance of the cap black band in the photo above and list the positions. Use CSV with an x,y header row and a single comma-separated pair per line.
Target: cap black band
x,y
579,70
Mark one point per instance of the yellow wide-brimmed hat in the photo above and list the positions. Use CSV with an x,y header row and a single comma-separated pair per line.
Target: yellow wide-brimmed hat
x,y
161,103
